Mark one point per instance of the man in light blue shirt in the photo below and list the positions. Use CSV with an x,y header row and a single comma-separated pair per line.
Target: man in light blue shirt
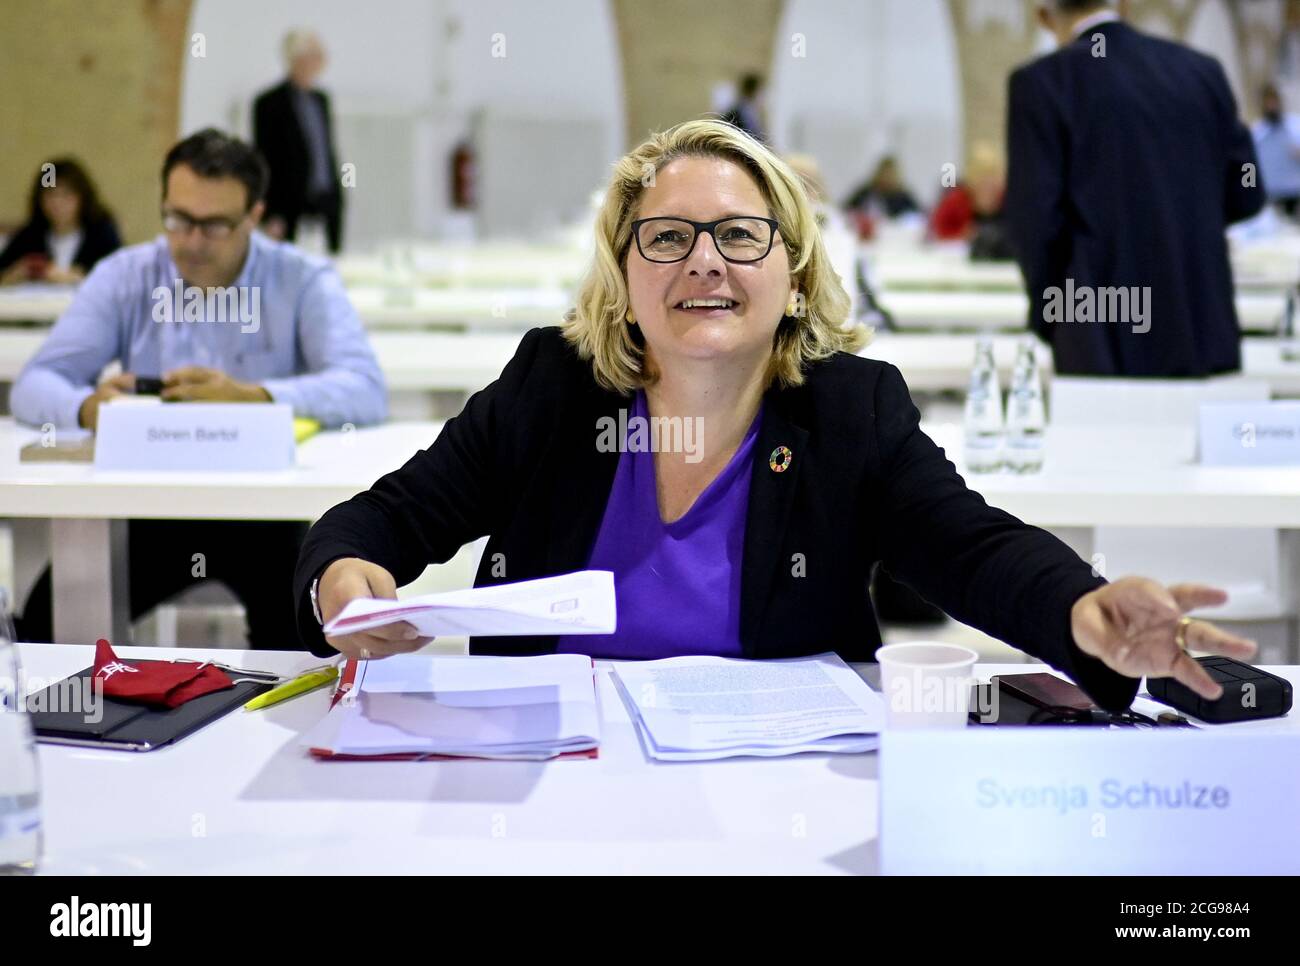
x,y
216,312
1277,143
287,328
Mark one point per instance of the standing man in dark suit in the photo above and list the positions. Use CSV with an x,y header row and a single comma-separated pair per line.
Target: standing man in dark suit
x,y
294,130
1127,160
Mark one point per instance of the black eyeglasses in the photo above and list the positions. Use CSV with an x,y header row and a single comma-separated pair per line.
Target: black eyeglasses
x,y
739,239
178,223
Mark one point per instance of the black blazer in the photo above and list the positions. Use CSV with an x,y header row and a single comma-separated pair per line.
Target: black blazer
x,y
279,136
98,239
1124,170
520,463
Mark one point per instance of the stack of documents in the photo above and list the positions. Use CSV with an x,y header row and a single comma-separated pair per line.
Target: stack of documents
x,y
577,603
699,708
529,708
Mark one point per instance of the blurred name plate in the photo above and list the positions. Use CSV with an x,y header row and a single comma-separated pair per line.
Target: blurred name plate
x,y
212,437
1250,434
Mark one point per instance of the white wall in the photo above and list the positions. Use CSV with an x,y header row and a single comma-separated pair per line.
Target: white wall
x,y
1212,32
418,71
877,77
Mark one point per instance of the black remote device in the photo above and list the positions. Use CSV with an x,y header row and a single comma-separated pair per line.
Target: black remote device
x,y
1248,693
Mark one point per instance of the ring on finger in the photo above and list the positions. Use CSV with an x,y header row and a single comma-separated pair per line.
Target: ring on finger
x,y
1180,635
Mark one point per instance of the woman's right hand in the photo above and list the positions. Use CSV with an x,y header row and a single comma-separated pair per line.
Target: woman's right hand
x,y
349,578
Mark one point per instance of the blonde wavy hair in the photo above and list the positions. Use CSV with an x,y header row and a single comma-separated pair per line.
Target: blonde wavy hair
x,y
597,326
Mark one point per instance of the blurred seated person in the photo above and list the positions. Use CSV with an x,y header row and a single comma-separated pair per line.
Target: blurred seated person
x,y
972,210
67,229
883,195
1277,145
297,340
710,303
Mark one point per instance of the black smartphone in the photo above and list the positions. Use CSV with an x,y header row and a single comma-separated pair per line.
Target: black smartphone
x,y
1033,698
148,386
1248,693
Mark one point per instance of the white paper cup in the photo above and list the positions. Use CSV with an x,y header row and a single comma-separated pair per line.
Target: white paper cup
x,y
926,684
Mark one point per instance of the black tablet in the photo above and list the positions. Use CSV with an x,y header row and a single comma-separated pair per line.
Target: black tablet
x,y
60,719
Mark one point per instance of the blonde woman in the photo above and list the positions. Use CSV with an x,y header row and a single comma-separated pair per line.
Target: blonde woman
x,y
784,467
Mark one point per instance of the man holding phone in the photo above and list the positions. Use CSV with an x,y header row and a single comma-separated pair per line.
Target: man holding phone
x,y
280,329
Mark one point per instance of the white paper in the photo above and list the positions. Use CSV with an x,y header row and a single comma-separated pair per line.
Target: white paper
x,y
480,706
693,708
577,603
849,745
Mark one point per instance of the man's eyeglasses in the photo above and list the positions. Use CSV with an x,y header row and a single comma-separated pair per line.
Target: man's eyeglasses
x,y
741,240
176,223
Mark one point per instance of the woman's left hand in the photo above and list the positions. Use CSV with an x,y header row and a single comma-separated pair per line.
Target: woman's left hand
x,y
1132,623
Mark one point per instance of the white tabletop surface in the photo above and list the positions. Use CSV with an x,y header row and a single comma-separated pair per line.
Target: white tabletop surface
x,y
1091,477
510,307
331,468
422,361
932,310
395,306
1133,476
34,302
503,308
1262,266
933,361
419,361
242,797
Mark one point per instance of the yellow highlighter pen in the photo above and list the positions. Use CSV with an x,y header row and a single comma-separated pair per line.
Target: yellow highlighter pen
x,y
291,689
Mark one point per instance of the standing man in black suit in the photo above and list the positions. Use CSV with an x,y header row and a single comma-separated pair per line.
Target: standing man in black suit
x,y
1127,160
294,130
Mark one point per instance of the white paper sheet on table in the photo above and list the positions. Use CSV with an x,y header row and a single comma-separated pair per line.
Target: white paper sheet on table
x,y
480,706
697,708
576,603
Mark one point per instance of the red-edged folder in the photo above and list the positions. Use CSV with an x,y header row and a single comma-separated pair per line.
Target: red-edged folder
x,y
346,681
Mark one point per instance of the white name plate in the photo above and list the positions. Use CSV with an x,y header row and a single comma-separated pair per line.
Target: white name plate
x,y
1094,801
195,436
1250,434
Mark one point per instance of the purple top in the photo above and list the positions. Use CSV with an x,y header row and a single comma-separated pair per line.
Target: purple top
x,y
677,584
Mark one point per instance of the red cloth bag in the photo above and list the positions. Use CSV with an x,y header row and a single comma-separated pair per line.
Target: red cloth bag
x,y
159,684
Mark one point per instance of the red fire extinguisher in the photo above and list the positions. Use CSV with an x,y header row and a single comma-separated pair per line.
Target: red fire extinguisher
x,y
462,176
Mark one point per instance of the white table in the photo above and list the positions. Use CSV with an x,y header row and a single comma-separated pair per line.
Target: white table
x,y
411,361
241,797
936,361
88,508
432,361
1133,476
34,302
1261,268
379,306
510,309
477,265
1092,478
1008,310
415,361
